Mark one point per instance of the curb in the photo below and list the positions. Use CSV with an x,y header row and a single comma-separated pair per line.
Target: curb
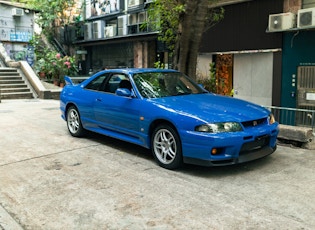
x,y
7,222
302,135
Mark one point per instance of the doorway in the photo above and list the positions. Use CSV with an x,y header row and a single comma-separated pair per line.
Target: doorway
x,y
253,77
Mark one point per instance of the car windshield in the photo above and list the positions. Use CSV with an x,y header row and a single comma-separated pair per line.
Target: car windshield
x,y
164,84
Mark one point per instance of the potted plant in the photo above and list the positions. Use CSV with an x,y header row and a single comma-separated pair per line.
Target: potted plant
x,y
40,68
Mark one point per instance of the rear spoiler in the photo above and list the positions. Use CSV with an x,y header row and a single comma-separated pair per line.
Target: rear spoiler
x,y
68,80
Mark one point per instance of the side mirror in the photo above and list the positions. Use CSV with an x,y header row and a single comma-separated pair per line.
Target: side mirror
x,y
123,92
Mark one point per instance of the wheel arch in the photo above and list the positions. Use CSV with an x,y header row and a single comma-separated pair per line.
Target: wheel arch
x,y
67,107
158,122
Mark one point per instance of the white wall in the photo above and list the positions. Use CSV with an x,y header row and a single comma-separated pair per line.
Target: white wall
x,y
203,67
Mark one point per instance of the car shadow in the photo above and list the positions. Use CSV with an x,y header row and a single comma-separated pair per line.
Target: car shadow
x,y
194,170
124,146
222,171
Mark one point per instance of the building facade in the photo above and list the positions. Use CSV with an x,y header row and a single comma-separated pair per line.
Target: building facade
x,y
240,46
267,48
116,34
298,56
16,30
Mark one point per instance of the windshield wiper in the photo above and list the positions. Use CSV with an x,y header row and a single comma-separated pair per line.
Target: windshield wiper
x,y
182,93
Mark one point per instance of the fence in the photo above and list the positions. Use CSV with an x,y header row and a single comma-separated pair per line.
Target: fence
x,y
294,117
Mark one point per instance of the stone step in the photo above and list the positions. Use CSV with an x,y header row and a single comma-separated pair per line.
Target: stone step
x,y
3,86
10,77
12,90
9,74
11,81
4,69
17,95
12,85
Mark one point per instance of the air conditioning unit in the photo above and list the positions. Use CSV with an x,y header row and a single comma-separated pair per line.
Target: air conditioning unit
x,y
132,19
98,29
122,25
123,31
122,21
306,18
133,3
110,31
283,21
88,31
17,12
142,17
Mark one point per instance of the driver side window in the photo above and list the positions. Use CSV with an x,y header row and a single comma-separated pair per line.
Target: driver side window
x,y
113,83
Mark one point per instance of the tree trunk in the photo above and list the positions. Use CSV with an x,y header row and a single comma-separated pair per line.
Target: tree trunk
x,y
191,27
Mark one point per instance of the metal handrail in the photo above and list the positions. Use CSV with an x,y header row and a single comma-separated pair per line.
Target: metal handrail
x,y
293,116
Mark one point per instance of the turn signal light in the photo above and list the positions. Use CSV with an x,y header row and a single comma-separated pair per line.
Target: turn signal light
x,y
214,151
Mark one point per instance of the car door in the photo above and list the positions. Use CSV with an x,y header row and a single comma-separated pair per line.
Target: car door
x,y
88,96
118,114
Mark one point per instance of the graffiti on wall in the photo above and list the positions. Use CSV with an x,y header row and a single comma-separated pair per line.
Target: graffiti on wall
x,y
20,52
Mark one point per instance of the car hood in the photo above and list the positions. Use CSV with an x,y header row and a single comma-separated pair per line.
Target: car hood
x,y
212,107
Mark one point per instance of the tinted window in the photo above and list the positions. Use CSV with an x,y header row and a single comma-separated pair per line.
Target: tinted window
x,y
113,82
96,84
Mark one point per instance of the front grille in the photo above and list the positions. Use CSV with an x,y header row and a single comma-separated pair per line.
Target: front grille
x,y
258,143
253,123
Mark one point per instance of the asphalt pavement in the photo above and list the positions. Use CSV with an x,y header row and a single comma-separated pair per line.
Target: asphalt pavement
x,y
51,180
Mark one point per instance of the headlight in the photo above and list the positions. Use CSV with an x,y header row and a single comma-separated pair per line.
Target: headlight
x,y
271,119
219,127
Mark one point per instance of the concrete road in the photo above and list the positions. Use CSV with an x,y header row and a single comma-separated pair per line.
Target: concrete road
x,y
50,180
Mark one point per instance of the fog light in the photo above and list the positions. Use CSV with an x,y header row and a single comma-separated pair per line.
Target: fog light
x,y
214,151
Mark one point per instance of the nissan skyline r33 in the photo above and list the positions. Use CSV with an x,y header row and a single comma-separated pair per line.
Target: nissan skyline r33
x,y
167,112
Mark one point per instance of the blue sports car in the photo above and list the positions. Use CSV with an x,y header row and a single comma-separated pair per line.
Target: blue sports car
x,y
167,112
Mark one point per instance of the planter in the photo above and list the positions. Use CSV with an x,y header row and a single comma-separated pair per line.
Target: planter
x,y
56,82
42,75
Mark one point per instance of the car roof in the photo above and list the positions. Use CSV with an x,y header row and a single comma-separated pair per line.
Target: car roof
x,y
140,70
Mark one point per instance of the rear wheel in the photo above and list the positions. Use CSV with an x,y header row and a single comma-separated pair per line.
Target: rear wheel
x,y
74,122
166,147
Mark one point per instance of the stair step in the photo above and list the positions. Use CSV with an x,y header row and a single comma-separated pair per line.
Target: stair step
x,y
9,74
9,90
10,77
4,86
13,86
2,82
17,95
3,69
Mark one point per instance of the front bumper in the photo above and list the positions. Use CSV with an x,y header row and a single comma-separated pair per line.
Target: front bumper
x,y
233,148
250,156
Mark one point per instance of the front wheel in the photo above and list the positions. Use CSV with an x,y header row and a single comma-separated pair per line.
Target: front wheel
x,y
74,122
166,147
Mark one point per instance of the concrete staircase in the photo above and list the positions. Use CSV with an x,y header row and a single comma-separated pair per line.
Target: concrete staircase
x,y
13,85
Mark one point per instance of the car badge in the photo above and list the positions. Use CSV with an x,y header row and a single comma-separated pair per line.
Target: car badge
x,y
254,123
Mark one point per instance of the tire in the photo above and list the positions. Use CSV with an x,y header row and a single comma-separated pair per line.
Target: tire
x,y
166,147
74,122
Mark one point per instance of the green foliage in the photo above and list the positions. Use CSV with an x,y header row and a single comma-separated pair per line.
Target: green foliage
x,y
164,16
210,83
214,16
51,62
49,11
159,65
55,66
